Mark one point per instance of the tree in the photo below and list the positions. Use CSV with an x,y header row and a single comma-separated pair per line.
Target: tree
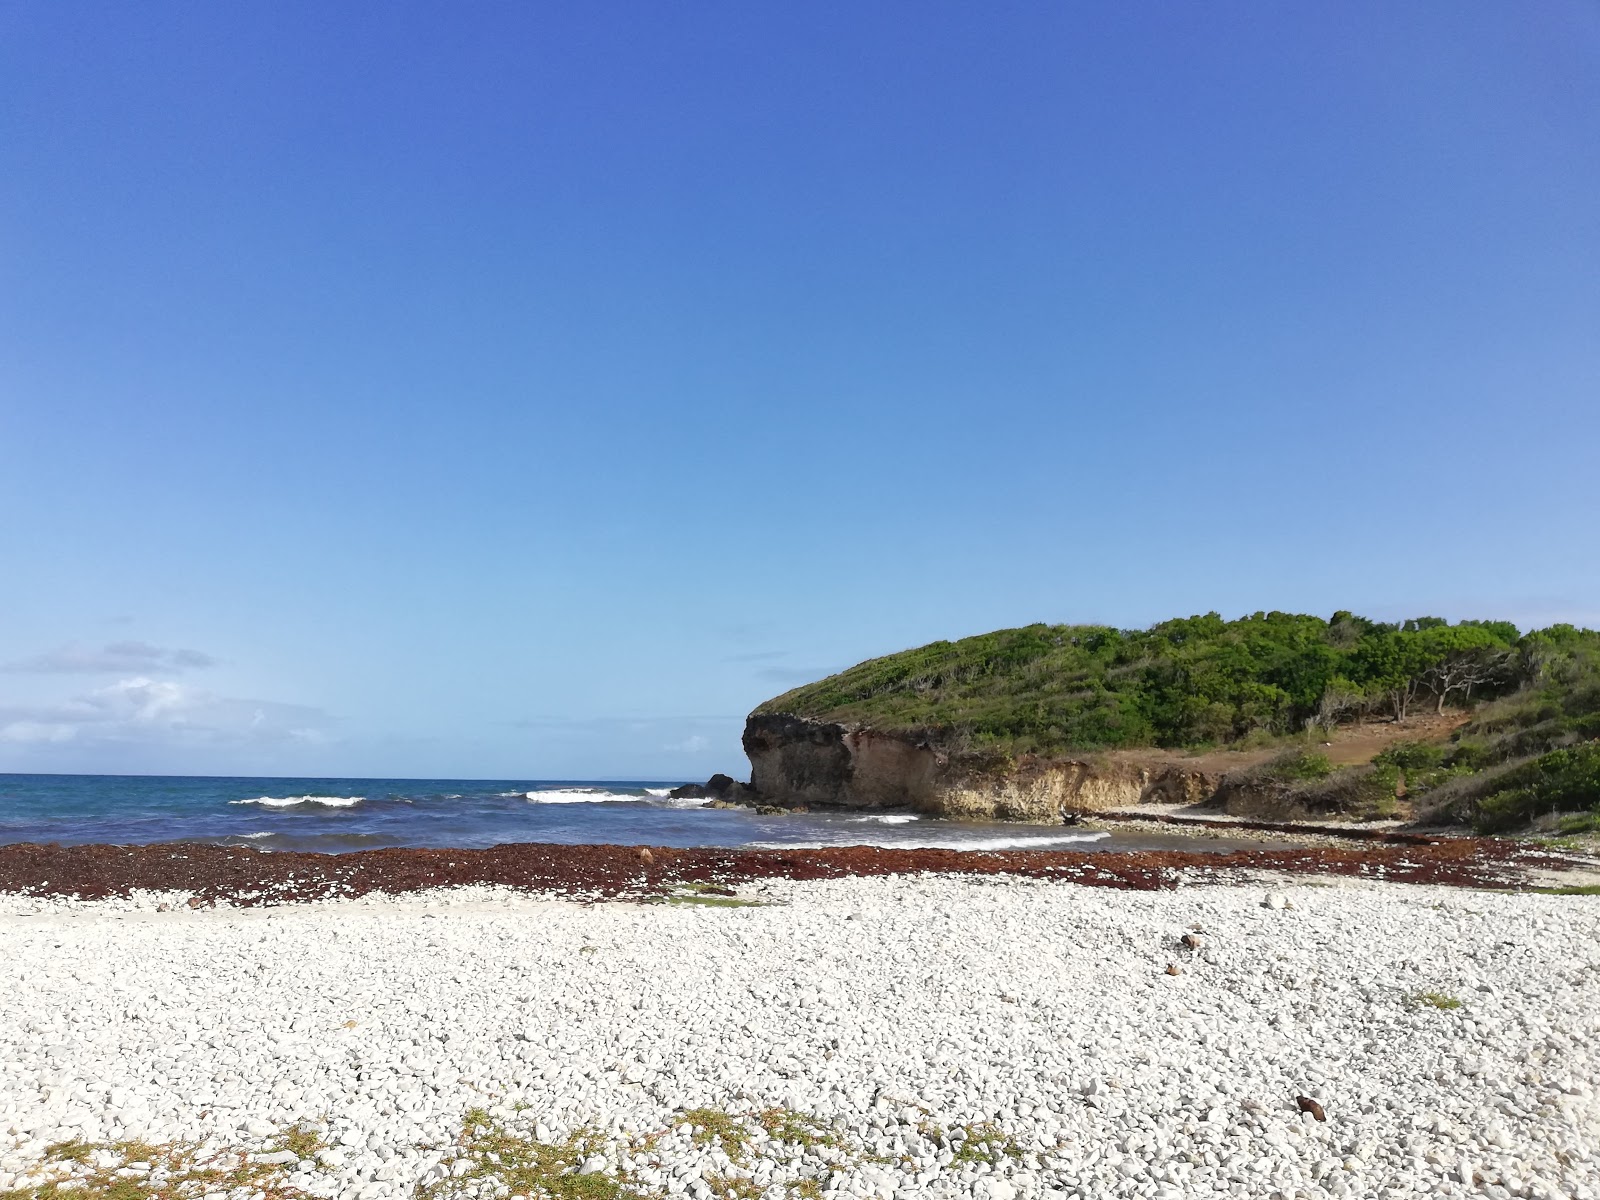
x,y
1340,699
1391,663
1459,658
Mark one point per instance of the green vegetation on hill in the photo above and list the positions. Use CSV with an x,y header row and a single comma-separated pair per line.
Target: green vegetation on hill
x,y
1203,682
1196,681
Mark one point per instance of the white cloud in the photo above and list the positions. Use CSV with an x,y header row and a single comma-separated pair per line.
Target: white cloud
x,y
118,658
162,712
693,744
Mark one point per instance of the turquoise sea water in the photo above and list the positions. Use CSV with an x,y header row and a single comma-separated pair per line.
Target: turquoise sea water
x,y
333,815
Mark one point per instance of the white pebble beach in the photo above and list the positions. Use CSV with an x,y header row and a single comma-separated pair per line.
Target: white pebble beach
x,y
1451,1038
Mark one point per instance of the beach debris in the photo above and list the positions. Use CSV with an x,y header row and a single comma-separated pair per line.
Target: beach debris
x,y
1308,1105
645,857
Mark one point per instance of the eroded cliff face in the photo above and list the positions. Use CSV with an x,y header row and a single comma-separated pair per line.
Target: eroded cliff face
x,y
794,761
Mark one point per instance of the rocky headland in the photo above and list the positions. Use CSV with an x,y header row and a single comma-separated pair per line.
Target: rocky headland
x,y
800,762
1274,717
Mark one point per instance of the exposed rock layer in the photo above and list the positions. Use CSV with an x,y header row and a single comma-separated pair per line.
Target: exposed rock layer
x,y
795,761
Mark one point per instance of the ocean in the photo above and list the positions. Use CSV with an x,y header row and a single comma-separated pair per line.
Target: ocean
x,y
335,815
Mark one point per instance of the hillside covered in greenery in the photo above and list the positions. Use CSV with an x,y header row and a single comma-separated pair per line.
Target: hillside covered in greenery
x,y
1530,748
1202,682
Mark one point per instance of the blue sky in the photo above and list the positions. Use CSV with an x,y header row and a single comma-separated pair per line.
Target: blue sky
x,y
532,389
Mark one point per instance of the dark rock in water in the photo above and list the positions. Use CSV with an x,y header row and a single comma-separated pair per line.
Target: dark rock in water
x,y
723,790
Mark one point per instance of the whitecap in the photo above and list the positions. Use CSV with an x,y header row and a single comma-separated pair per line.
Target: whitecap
x,y
291,801
678,802
253,836
660,793
886,819
571,796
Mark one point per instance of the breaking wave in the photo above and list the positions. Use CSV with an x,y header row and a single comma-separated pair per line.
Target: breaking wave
x,y
575,796
292,801
886,819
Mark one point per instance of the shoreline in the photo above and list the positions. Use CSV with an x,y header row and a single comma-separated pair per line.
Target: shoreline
x,y
207,874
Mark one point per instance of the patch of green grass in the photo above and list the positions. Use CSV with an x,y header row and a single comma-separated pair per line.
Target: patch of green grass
x,y
70,1152
303,1139
1558,843
786,1125
733,1187
709,895
175,1169
1581,889
982,1143
1579,823
1436,1000
714,1125
521,1165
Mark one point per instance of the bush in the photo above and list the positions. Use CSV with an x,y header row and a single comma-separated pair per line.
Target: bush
x,y
1565,780
1411,756
1471,753
1292,766
1455,801
1546,735
1359,793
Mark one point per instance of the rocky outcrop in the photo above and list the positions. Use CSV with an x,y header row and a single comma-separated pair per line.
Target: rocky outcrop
x,y
719,789
795,761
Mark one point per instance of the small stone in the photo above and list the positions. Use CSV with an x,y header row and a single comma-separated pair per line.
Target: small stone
x,y
645,857
1193,941
1174,969
1275,901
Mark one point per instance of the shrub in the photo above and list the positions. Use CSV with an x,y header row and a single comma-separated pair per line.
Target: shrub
x,y
1411,756
1300,765
1359,793
1566,780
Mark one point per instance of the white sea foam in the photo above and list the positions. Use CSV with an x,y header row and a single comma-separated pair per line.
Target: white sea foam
x,y
940,843
572,796
253,836
886,819
660,792
292,801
